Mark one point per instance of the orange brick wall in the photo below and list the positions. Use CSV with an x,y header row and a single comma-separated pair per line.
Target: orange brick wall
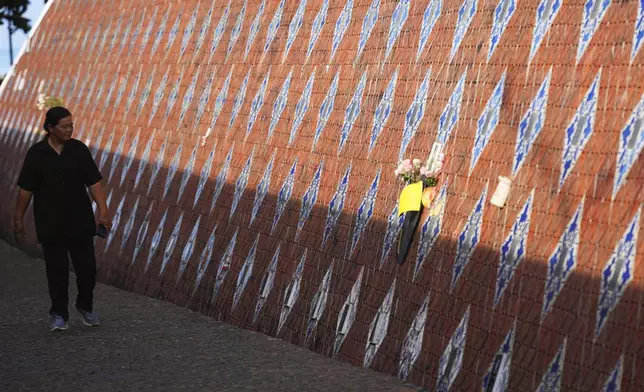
x,y
91,55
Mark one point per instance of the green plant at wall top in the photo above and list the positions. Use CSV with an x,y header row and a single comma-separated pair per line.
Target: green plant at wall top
x,y
45,102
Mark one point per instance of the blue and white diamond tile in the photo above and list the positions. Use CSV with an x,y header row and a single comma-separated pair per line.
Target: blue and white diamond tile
x,y
316,28
240,184
238,101
129,225
336,205
365,212
187,32
171,243
551,381
415,113
398,19
347,314
116,33
563,261
262,188
469,238
158,163
430,17
594,12
309,199
292,292
174,31
156,240
486,124
368,23
142,233
451,360
245,273
531,124
638,35
318,304
145,94
431,229
188,249
221,99
284,195
220,181
160,32
219,30
236,30
203,100
466,13
204,260
205,174
148,32
513,249
126,35
394,225
274,26
121,91
502,15
188,96
326,109
137,31
383,110
580,130
187,172
280,104
172,98
617,273
106,151
144,161
224,266
99,92
631,144
135,87
254,28
302,107
498,374
158,96
379,327
172,170
257,103
452,112
341,26
413,343
205,26
115,223
546,13
352,111
117,154
614,381
267,284
294,27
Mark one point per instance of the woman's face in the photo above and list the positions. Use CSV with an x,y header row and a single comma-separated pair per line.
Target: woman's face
x,y
64,130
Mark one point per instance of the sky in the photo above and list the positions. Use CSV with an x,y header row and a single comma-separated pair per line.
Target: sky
x,y
32,13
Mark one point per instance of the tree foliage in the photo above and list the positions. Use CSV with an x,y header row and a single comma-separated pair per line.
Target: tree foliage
x,y
12,12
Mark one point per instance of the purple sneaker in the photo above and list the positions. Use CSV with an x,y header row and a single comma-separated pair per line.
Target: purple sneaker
x,y
58,323
89,318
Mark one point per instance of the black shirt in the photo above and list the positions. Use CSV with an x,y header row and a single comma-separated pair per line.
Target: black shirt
x,y
62,207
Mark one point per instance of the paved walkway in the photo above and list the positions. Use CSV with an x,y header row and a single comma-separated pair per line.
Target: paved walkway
x,y
149,345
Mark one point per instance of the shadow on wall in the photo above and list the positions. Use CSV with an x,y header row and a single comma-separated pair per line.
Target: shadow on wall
x,y
589,361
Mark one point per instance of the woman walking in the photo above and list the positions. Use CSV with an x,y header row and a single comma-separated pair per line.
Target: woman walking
x,y
56,172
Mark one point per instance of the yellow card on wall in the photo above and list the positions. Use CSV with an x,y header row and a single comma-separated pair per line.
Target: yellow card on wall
x,y
410,198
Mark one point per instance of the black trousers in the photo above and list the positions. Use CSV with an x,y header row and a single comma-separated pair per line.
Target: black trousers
x,y
57,262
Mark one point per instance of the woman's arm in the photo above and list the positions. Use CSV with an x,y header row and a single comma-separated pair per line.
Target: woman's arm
x,y
99,196
22,202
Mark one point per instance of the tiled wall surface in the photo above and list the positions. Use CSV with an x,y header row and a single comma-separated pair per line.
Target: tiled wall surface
x,y
249,149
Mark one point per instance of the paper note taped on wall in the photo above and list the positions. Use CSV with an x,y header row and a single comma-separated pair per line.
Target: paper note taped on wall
x,y
410,198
